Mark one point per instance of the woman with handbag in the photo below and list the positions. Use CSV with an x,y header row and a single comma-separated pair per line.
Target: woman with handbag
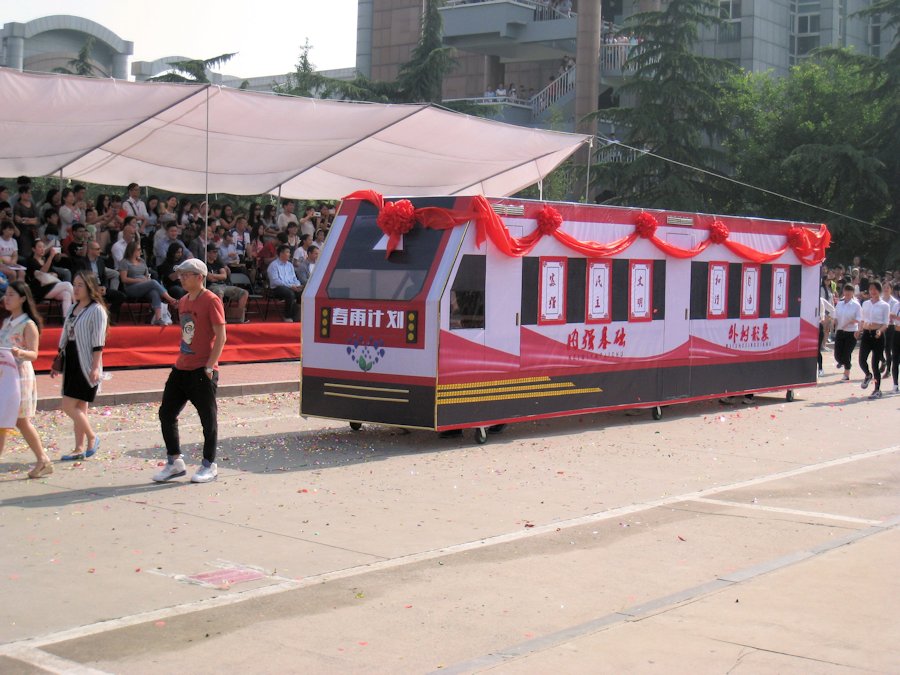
x,y
81,345
43,282
20,334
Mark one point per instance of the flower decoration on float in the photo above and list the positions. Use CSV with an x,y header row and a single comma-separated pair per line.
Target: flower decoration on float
x,y
798,238
549,220
397,218
718,232
645,225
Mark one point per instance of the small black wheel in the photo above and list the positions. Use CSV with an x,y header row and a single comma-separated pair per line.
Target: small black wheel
x,y
356,426
480,435
789,395
656,411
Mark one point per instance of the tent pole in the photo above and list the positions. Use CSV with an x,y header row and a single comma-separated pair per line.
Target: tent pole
x,y
587,180
206,178
61,180
541,189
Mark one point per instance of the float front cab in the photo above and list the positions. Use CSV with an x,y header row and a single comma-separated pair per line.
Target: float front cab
x,y
497,333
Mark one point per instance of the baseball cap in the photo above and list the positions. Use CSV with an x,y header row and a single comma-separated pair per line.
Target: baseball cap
x,y
193,265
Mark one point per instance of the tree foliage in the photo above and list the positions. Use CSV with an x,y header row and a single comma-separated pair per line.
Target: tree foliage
x,y
82,64
193,70
808,137
677,113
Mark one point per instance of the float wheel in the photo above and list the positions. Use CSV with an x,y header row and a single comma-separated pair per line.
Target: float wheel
x,y
480,435
789,395
356,426
657,412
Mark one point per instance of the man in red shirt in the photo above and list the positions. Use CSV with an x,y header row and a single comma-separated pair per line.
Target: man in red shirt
x,y
195,376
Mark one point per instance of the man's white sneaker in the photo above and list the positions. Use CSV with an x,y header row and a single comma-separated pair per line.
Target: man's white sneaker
x,y
170,471
821,373
205,474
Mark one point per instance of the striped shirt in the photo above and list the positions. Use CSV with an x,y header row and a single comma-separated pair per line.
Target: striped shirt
x,y
89,328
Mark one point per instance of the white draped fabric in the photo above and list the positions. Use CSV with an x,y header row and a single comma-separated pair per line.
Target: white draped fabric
x,y
193,138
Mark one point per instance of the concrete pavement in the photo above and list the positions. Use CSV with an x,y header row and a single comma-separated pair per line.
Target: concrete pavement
x,y
755,538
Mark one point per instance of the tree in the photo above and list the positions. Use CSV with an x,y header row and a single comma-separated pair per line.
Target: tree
x,y
806,136
192,70
677,113
81,64
420,79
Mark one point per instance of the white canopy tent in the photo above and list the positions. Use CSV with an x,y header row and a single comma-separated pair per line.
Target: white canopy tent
x,y
198,138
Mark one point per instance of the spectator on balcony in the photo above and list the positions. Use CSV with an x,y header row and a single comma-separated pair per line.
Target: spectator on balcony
x,y
512,91
501,90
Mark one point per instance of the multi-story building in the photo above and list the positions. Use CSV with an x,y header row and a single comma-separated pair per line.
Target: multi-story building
x,y
526,42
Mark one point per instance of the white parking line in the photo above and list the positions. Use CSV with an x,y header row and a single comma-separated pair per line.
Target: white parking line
x,y
791,512
234,598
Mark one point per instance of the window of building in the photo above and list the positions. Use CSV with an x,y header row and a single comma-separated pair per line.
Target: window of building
x,y
730,13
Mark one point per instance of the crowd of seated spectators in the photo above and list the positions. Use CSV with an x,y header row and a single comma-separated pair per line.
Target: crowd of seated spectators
x,y
132,243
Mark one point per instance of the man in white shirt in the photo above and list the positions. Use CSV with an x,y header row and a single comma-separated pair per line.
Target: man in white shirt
x,y
875,319
847,315
126,236
287,216
283,281
133,206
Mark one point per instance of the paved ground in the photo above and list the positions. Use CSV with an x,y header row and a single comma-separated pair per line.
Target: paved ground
x,y
756,538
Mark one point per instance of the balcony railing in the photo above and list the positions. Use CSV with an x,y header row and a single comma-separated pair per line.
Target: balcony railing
x,y
542,10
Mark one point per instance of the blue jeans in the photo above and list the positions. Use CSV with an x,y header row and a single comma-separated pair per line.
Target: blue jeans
x,y
151,290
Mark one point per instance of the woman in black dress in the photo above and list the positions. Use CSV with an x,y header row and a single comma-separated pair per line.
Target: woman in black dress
x,y
82,340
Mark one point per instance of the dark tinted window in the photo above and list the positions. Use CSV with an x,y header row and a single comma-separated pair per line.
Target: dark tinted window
x,y
467,294
362,273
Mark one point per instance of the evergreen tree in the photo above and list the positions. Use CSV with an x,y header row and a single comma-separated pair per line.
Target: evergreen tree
x,y
193,70
81,65
677,97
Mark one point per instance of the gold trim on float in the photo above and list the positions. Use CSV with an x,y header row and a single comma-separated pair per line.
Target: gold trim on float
x,y
361,388
367,398
509,397
495,383
499,390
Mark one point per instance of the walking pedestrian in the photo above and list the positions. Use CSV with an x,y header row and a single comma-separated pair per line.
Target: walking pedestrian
x,y
895,324
195,376
875,315
847,315
20,334
82,340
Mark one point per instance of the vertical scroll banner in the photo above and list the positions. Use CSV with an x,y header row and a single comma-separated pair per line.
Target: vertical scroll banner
x,y
552,291
781,279
10,391
750,275
640,296
717,303
599,292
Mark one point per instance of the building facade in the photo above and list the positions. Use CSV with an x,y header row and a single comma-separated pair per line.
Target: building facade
x,y
51,42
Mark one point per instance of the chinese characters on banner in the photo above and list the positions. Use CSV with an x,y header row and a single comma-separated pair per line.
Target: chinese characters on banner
x,y
640,296
717,303
599,295
552,291
750,291
780,279
368,318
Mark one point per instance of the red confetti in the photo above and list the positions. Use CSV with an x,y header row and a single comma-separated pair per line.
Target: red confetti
x,y
159,624
303,490
407,607
91,570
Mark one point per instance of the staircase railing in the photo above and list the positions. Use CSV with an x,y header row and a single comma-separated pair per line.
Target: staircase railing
x,y
554,91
